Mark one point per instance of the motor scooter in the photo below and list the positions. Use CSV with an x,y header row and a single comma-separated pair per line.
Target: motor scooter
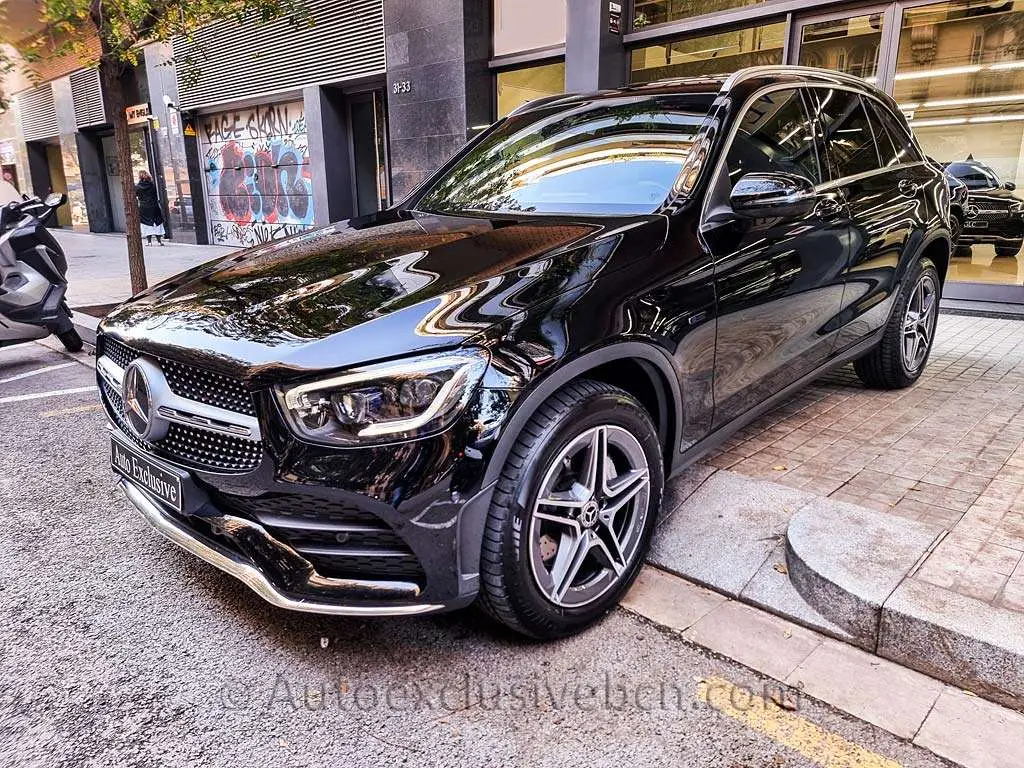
x,y
33,275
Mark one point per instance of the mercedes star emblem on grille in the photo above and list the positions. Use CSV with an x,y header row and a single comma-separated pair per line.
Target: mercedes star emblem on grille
x,y
139,410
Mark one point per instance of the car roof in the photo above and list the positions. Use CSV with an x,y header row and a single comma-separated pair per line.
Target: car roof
x,y
711,85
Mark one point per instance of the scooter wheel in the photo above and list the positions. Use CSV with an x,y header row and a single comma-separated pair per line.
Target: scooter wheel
x,y
71,340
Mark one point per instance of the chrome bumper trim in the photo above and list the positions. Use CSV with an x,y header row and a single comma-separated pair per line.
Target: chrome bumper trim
x,y
249,574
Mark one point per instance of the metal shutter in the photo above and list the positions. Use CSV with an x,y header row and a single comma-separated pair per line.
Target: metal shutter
x,y
346,40
87,96
38,115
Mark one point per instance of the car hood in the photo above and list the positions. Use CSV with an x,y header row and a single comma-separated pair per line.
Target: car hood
x,y
367,289
999,199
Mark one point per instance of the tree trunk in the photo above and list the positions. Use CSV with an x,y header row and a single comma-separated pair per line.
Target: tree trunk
x,y
110,76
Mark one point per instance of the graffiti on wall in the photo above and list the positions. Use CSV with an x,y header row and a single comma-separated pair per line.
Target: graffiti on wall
x,y
258,176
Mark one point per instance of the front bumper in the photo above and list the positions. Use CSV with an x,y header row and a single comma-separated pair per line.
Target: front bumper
x,y
275,571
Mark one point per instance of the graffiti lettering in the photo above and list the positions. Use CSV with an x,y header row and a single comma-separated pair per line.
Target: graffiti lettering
x,y
258,175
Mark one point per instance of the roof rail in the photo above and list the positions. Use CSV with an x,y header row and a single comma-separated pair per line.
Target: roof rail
x,y
768,69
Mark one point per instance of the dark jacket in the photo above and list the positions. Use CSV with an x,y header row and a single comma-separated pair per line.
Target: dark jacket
x,y
149,204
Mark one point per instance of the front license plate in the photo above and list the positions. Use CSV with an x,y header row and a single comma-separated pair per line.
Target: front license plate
x,y
975,225
151,477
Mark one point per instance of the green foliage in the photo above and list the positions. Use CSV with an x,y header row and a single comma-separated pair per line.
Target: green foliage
x,y
122,26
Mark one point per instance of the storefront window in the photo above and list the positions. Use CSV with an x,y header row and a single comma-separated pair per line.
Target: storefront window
x,y
647,12
717,54
518,86
848,45
960,79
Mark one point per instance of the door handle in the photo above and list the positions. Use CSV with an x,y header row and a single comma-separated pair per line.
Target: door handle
x,y
827,207
907,188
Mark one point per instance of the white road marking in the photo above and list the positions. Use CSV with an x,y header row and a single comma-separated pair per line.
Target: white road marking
x,y
36,372
40,395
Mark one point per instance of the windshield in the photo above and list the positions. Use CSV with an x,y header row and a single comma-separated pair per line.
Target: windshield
x,y
606,156
974,175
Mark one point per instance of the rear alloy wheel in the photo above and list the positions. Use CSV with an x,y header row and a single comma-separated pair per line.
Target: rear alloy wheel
x,y
900,357
573,512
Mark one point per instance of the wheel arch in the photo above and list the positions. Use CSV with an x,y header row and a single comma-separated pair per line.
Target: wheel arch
x,y
937,247
643,370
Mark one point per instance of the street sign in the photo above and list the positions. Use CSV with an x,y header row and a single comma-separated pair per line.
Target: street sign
x,y
138,113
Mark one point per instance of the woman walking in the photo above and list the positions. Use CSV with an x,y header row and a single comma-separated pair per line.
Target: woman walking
x,y
149,209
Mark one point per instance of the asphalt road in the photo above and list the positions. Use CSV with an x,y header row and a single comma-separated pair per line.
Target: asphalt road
x,y
117,649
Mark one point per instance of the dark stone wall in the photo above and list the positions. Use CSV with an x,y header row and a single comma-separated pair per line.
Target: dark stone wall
x,y
329,154
94,181
594,55
434,47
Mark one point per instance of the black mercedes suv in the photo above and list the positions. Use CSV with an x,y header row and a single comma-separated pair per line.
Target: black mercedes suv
x,y
480,393
992,214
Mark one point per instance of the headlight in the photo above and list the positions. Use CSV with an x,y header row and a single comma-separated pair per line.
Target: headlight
x,y
388,402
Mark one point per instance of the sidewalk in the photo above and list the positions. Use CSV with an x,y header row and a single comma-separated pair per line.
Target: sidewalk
x,y
891,520
98,265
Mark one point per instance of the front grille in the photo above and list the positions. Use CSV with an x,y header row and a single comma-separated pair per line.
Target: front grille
x,y
188,381
188,446
340,540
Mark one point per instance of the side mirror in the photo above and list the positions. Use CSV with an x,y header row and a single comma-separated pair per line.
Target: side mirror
x,y
55,200
1009,186
772,195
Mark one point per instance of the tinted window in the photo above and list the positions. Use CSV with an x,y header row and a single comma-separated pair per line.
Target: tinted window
x,y
887,152
975,176
604,156
896,136
774,134
849,143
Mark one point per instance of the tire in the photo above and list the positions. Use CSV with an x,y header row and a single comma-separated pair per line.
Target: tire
x,y
521,561
888,366
71,340
1008,250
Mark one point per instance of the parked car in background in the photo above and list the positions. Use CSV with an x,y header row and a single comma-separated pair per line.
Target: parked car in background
x,y
480,393
993,215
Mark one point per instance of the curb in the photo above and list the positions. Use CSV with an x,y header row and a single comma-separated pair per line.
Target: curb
x,y
854,566
957,726
86,326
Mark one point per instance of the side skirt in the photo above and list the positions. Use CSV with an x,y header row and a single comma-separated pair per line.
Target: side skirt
x,y
723,433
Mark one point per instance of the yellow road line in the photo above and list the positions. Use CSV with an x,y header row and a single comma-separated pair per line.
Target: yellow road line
x,y
787,728
68,411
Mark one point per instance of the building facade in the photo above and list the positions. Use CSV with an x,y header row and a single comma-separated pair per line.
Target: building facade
x,y
284,128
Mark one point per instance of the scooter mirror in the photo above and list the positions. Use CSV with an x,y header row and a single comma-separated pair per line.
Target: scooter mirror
x,y
55,199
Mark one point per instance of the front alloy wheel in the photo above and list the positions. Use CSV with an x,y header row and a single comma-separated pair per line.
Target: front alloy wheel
x,y
588,519
572,513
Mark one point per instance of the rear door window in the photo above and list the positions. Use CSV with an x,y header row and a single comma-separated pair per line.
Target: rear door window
x,y
774,135
895,135
849,141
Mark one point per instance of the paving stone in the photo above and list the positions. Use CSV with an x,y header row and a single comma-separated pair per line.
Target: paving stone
x,y
972,732
722,534
756,639
772,590
680,488
882,693
669,600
